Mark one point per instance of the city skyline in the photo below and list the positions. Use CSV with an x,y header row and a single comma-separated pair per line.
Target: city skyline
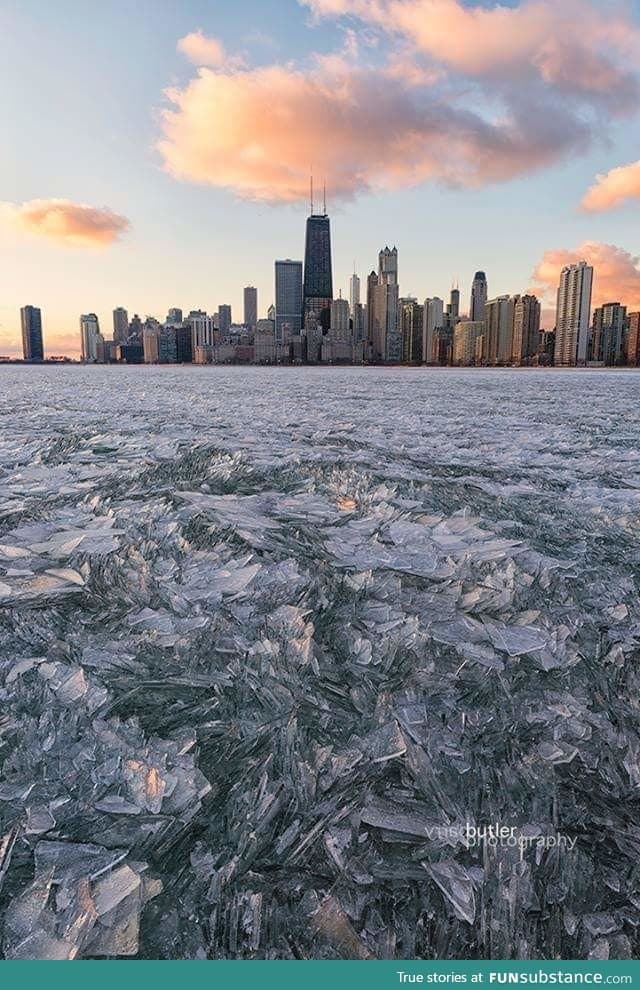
x,y
129,214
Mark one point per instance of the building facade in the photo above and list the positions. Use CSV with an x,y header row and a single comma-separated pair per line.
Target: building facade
x,y
32,343
526,329
573,312
318,279
478,297
608,339
288,307
120,325
250,299
89,338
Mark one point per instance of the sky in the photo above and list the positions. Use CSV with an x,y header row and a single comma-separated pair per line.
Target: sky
x,y
158,154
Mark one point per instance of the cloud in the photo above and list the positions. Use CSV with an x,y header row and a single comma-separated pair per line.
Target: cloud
x,y
68,223
538,39
202,50
616,275
616,187
256,131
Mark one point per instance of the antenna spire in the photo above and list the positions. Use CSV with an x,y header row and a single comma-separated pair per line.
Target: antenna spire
x,y
311,190
324,197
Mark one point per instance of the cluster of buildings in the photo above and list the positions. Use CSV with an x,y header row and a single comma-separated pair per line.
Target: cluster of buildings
x,y
307,325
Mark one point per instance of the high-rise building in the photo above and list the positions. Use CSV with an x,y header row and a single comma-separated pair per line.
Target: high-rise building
x,y
174,317
572,314
358,322
498,340
386,333
412,325
250,306
433,320
184,344
120,325
467,342
633,340
135,328
372,281
453,307
288,308
526,329
224,318
354,295
151,342
478,297
339,322
203,330
609,326
31,322
89,337
318,282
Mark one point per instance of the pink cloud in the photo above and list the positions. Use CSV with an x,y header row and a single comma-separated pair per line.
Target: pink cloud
x,y
256,131
68,223
616,187
616,272
202,50
563,45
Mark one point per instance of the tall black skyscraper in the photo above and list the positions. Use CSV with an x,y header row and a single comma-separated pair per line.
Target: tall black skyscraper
x,y
32,346
318,283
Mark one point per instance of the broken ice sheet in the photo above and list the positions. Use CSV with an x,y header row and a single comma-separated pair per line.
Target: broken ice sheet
x,y
267,626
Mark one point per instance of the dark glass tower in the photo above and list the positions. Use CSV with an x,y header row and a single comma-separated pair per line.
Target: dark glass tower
x,y
318,284
31,320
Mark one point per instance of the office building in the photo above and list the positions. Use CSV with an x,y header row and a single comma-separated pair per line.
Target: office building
x,y
32,344
288,307
250,306
89,334
433,320
174,317
478,297
120,325
412,329
318,281
224,318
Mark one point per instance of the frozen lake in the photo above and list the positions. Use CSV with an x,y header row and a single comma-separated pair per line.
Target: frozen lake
x,y
271,640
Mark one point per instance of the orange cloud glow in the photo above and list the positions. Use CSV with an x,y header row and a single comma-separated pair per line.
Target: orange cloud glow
x,y
616,187
256,131
67,223
616,272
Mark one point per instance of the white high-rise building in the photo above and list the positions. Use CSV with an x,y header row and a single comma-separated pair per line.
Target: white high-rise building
x,y
573,314
203,329
432,320
89,337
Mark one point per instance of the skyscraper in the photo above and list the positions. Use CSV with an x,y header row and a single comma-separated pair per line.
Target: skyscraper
x,y
340,319
288,315
386,335
354,294
498,339
609,324
412,325
224,318
433,320
120,325
250,307
318,282
89,337
478,297
572,314
453,309
31,321
633,340
526,328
